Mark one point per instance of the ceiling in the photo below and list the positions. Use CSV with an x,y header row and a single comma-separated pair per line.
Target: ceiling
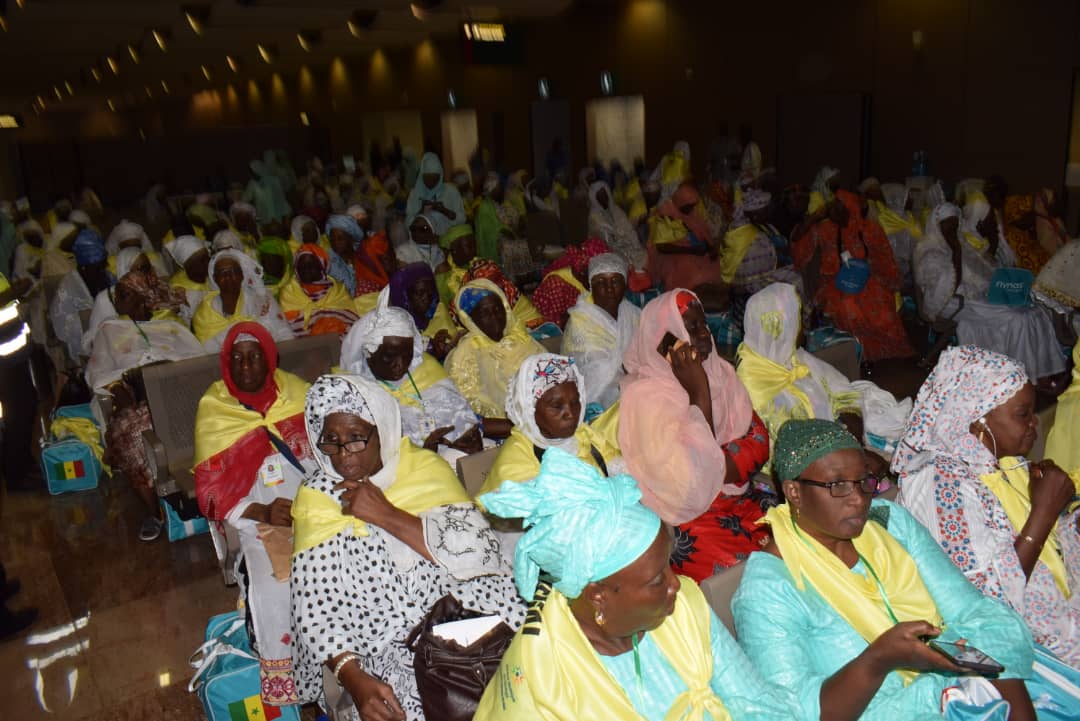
x,y
53,44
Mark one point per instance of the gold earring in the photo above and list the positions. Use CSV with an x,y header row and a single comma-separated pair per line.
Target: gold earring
x,y
598,616
796,511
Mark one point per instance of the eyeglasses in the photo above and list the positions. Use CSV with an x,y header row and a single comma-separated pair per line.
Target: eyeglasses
x,y
842,489
332,448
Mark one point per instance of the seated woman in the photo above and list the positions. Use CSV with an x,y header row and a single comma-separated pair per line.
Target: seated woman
x,y
784,381
893,214
276,259
251,453
749,258
412,288
681,250
459,243
193,257
612,632
77,290
418,243
304,229
142,333
1001,519
492,349
546,409
523,308
840,606
385,346
315,303
1061,439
236,294
564,280
363,265
244,220
403,534
131,235
841,236
440,200
691,438
600,327
608,222
959,261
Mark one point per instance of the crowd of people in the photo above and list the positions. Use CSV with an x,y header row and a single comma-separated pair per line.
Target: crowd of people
x,y
650,394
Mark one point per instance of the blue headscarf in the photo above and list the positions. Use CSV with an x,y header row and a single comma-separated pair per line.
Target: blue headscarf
x,y
580,526
471,297
89,248
341,270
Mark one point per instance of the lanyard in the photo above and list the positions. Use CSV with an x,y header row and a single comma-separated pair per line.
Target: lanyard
x,y
142,333
880,587
416,390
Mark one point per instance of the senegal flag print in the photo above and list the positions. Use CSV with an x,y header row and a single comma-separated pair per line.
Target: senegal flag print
x,y
252,709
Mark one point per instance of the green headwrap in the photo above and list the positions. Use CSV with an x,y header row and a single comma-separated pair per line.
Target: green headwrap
x,y
580,526
269,245
204,214
455,232
801,442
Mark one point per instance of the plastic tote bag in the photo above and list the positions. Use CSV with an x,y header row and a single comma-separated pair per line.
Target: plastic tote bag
x,y
182,519
1010,286
226,676
883,417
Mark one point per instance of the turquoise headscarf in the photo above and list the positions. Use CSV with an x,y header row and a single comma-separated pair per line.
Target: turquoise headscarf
x,y
429,163
580,525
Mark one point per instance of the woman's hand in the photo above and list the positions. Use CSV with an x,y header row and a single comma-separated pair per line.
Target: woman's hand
x,y
276,513
470,441
442,344
1050,488
366,501
903,646
437,436
374,700
688,370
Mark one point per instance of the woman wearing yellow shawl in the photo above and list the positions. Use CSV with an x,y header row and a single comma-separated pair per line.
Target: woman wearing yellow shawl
x,y
784,381
236,294
459,244
315,303
841,604
193,257
251,452
383,530
546,406
493,348
1062,444
1006,523
896,219
617,635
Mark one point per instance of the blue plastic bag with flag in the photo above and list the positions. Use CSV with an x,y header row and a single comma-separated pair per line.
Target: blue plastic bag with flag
x,y
226,676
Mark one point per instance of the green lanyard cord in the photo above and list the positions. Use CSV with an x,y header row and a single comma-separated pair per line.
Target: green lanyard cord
x,y
637,668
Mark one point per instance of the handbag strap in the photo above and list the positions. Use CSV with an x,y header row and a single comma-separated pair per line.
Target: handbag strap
x,y
596,456
216,648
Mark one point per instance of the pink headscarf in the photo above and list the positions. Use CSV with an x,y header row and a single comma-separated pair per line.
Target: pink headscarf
x,y
667,444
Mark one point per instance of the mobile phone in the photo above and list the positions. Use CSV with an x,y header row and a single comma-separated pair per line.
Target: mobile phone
x,y
666,344
969,657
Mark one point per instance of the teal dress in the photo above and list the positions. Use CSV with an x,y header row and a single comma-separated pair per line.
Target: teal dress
x,y
800,641
746,695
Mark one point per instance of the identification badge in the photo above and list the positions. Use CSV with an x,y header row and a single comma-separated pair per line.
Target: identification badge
x,y
272,474
427,426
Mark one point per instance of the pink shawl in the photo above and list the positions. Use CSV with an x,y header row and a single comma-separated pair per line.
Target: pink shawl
x,y
667,444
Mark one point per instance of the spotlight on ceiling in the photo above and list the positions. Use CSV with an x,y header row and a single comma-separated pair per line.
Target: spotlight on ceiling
x,y
308,39
267,53
161,37
422,9
95,74
197,17
134,53
112,106
3,23
10,122
206,73
164,87
233,63
57,93
360,21
69,87
113,65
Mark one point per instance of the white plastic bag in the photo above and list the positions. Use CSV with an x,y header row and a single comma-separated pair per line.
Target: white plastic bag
x,y
884,418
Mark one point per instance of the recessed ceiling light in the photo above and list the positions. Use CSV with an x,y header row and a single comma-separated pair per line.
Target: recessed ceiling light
x,y
134,53
164,87
206,72
113,65
266,54
194,22
233,65
95,74
161,40
69,87
111,104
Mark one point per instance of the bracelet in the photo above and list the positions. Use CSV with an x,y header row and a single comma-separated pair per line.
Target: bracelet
x,y
341,664
1030,540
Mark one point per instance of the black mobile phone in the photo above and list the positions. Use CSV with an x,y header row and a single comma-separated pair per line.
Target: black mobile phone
x,y
969,657
666,343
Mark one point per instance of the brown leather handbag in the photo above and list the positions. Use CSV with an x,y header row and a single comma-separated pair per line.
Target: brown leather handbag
x,y
452,678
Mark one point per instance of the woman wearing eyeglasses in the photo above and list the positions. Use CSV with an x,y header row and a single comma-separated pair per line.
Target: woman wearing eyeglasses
x,y
842,604
383,529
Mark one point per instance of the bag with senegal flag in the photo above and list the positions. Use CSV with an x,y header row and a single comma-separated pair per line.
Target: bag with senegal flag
x,y
226,676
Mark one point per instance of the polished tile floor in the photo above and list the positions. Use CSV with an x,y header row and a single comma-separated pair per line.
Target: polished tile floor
x,y
118,618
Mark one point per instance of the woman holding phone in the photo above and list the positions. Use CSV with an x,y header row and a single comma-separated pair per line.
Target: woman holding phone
x,y
855,607
691,438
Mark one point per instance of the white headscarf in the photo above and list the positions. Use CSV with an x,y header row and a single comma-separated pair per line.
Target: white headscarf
x,y
297,227
253,276
227,240
607,263
359,397
126,230
821,182
538,374
181,249
896,196
368,333
125,259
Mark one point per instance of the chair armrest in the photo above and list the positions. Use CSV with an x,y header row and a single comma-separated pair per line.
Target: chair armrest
x,y
158,460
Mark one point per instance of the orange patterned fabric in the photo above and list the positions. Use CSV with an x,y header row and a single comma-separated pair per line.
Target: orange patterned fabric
x,y
1029,254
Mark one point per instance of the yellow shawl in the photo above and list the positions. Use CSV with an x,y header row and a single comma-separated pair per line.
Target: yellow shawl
x,y
870,610
427,374
567,275
516,460
765,379
423,481
1011,489
180,279
364,304
736,243
221,420
207,322
294,300
442,320
893,222
552,673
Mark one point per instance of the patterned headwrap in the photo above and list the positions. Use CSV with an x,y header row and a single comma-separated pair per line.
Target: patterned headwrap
x,y
368,333
755,199
684,299
580,526
606,264
321,287
345,223
89,248
801,442
469,298
359,397
455,232
967,383
489,270
537,375
402,281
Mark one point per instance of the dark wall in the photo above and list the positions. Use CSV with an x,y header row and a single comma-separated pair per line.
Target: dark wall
x,y
990,90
